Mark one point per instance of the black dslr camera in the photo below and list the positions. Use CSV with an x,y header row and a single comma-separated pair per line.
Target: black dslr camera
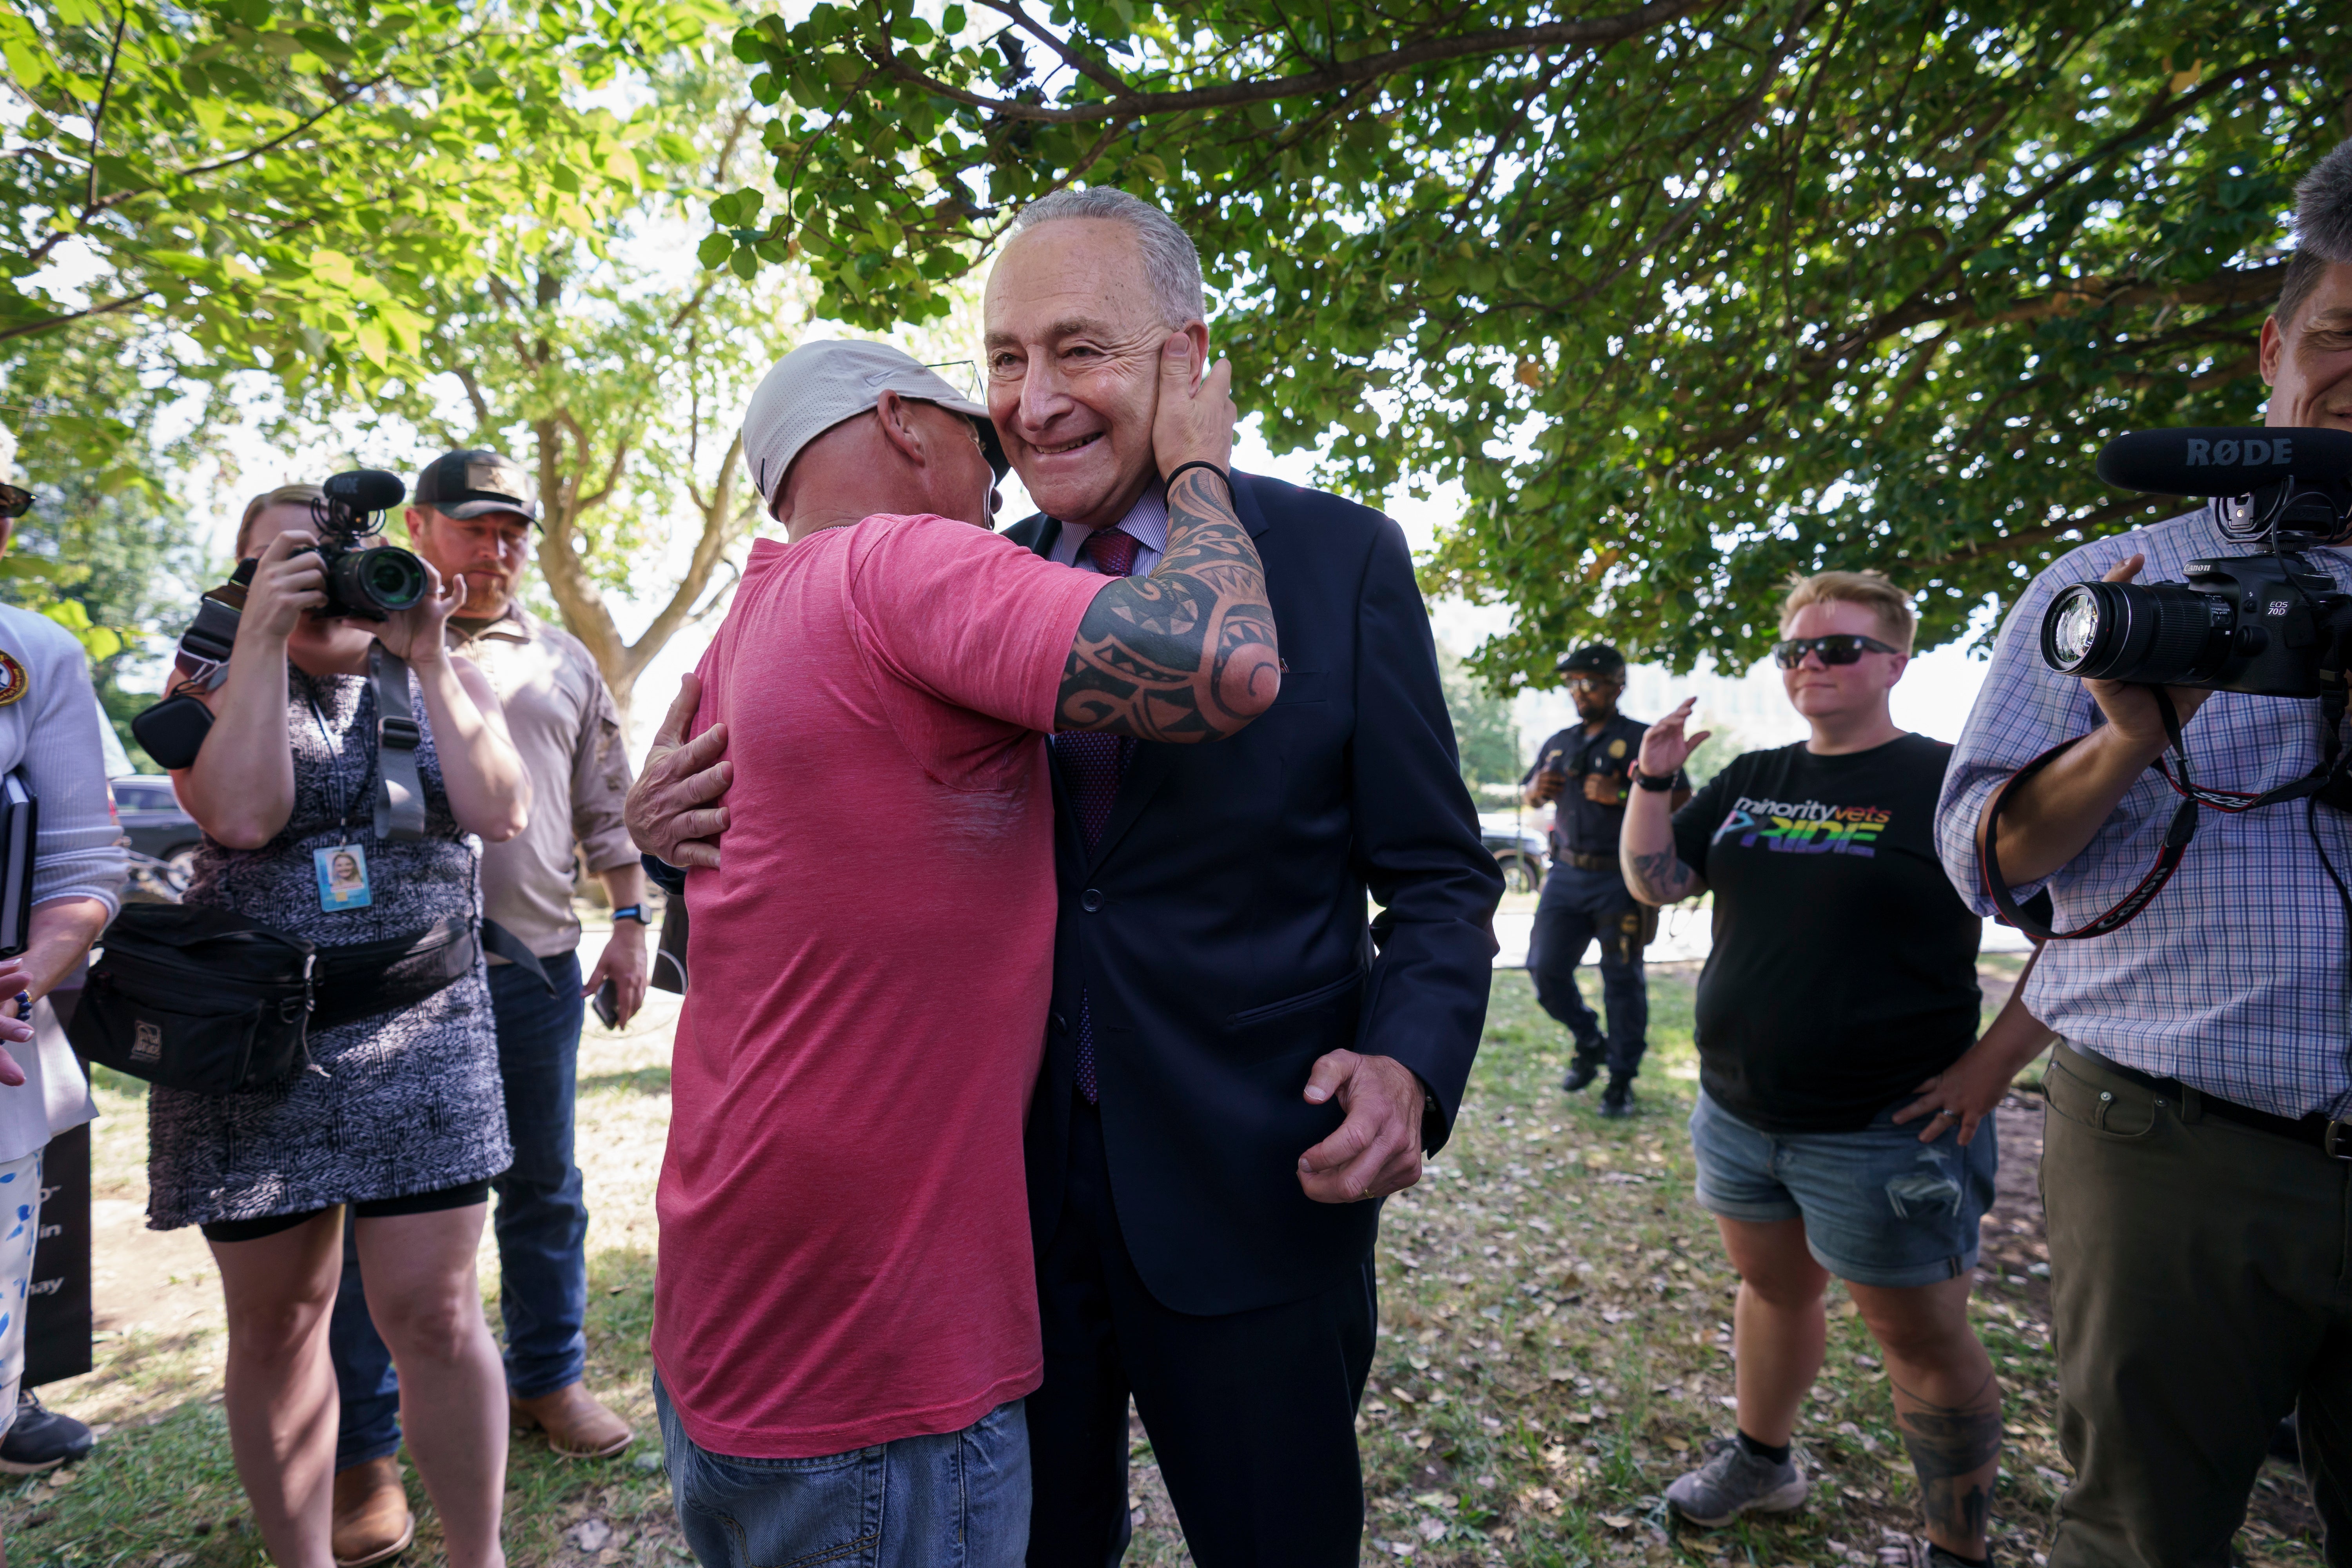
x,y
2269,624
364,584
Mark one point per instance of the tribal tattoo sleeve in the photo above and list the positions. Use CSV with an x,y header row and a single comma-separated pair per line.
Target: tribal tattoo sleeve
x,y
1189,652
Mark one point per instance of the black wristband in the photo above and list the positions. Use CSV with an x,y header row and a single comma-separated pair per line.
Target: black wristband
x,y
630,912
1196,463
1655,786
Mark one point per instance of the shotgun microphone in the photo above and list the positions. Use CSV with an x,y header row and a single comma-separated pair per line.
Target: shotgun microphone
x,y
2225,459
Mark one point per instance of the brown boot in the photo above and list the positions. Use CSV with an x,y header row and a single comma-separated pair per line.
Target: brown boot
x,y
371,1517
578,1428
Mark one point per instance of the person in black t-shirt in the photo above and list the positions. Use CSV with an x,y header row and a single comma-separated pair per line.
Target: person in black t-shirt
x,y
1582,772
1841,982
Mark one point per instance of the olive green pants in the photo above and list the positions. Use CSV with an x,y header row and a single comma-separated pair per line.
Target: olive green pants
x,y
2201,1276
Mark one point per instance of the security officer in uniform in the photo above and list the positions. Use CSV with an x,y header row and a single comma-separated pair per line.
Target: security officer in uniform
x,y
1584,772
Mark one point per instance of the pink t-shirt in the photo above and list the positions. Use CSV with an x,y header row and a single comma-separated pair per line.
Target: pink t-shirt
x,y
845,1230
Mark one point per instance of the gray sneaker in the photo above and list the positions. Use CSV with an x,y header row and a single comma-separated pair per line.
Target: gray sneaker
x,y
1732,1482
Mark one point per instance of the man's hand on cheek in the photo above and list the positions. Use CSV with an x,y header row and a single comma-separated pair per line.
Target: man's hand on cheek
x,y
1377,1149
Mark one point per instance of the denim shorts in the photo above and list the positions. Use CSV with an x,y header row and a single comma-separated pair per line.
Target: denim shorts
x,y
1880,1208
954,1499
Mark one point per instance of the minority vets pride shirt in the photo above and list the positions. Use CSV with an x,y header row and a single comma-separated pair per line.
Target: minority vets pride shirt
x,y
1843,971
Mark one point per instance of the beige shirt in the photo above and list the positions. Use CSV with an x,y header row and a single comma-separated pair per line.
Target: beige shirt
x,y
563,723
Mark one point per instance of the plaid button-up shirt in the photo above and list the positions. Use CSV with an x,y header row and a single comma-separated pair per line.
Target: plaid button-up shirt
x,y
2233,980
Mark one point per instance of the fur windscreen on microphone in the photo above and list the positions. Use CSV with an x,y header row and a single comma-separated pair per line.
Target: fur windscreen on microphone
x,y
2323,207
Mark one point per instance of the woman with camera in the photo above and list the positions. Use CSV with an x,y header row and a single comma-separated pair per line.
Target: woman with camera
x,y
398,1117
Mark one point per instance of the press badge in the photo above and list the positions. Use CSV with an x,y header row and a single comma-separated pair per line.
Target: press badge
x,y
343,878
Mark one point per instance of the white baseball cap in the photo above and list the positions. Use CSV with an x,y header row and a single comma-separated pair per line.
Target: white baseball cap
x,y
818,385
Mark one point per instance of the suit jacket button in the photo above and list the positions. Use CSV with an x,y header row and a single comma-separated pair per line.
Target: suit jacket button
x,y
1061,1023
1091,900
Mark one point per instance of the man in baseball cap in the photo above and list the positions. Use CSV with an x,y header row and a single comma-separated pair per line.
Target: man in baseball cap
x,y
818,385
845,1259
1583,772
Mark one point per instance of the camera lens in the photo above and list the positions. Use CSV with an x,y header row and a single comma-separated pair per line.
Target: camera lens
x,y
393,579
376,582
2073,628
2154,633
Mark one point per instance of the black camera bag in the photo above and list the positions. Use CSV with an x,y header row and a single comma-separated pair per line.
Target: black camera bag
x,y
187,996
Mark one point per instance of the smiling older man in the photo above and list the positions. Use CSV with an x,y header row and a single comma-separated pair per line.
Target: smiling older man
x,y
1237,1068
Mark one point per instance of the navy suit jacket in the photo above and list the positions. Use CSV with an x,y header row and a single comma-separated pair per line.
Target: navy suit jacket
x,y
1218,929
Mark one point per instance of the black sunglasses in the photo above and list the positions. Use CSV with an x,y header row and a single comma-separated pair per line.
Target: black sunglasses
x,y
14,502
1838,648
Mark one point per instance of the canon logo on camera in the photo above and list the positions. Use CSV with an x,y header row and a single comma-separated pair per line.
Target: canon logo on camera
x,y
2231,453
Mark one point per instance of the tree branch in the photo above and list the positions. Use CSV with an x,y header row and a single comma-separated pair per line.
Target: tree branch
x,y
98,115
46,323
1126,104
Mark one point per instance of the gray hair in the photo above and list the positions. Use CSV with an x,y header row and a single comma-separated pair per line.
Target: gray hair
x,y
2323,227
1169,258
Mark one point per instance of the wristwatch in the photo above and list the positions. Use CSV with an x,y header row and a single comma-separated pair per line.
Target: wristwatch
x,y
1655,786
630,912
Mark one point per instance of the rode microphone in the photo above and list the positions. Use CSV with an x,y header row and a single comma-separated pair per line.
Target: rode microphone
x,y
2225,459
365,490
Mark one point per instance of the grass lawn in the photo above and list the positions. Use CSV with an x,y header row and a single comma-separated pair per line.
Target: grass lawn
x,y
1555,1346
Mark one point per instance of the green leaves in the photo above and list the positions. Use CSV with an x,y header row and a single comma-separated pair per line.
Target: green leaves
x,y
270,180
1800,284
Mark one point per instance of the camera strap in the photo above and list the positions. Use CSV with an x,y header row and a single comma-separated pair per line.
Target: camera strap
x,y
2177,834
399,790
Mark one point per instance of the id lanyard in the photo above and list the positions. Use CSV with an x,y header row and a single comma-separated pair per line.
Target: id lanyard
x,y
341,869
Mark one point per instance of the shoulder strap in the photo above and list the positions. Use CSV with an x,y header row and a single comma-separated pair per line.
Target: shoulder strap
x,y
399,792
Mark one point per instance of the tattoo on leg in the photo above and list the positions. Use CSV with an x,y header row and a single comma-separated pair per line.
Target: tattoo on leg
x,y
1953,1450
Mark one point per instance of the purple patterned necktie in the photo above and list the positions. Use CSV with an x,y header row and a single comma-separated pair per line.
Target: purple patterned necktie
x,y
1091,763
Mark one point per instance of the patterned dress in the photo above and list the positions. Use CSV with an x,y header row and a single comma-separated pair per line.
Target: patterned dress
x,y
399,1103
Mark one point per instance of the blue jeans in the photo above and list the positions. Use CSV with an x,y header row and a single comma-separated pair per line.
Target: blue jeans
x,y
541,1223
959,1499
1575,907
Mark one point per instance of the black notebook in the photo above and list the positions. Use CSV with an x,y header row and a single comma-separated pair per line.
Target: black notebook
x,y
18,834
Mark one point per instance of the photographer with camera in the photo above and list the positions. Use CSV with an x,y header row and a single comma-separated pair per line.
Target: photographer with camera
x,y
333,816
2194,1162
474,517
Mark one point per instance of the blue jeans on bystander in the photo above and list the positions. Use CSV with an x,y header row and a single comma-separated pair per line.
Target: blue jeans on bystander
x,y
959,1499
540,1221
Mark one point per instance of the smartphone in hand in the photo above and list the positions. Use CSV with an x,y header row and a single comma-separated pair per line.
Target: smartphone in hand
x,y
607,1004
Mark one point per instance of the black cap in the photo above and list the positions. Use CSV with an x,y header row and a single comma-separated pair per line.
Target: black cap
x,y
474,480
1594,658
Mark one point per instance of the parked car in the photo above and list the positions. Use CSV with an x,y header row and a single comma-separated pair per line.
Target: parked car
x,y
1517,847
152,820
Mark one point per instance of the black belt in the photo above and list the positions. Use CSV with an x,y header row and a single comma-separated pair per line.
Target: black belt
x,y
1588,862
2316,1131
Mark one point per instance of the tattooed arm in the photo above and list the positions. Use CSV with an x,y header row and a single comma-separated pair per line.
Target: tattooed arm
x,y
1646,844
1188,653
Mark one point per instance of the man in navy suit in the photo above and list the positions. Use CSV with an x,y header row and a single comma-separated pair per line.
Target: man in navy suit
x,y
1238,1066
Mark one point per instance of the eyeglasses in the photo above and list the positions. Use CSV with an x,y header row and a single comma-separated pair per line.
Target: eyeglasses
x,y
14,502
1592,683
1838,648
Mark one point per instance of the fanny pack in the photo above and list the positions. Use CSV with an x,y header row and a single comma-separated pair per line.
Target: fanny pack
x,y
191,997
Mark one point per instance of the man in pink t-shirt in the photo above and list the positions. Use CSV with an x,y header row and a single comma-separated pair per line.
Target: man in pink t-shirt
x,y
845,1317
